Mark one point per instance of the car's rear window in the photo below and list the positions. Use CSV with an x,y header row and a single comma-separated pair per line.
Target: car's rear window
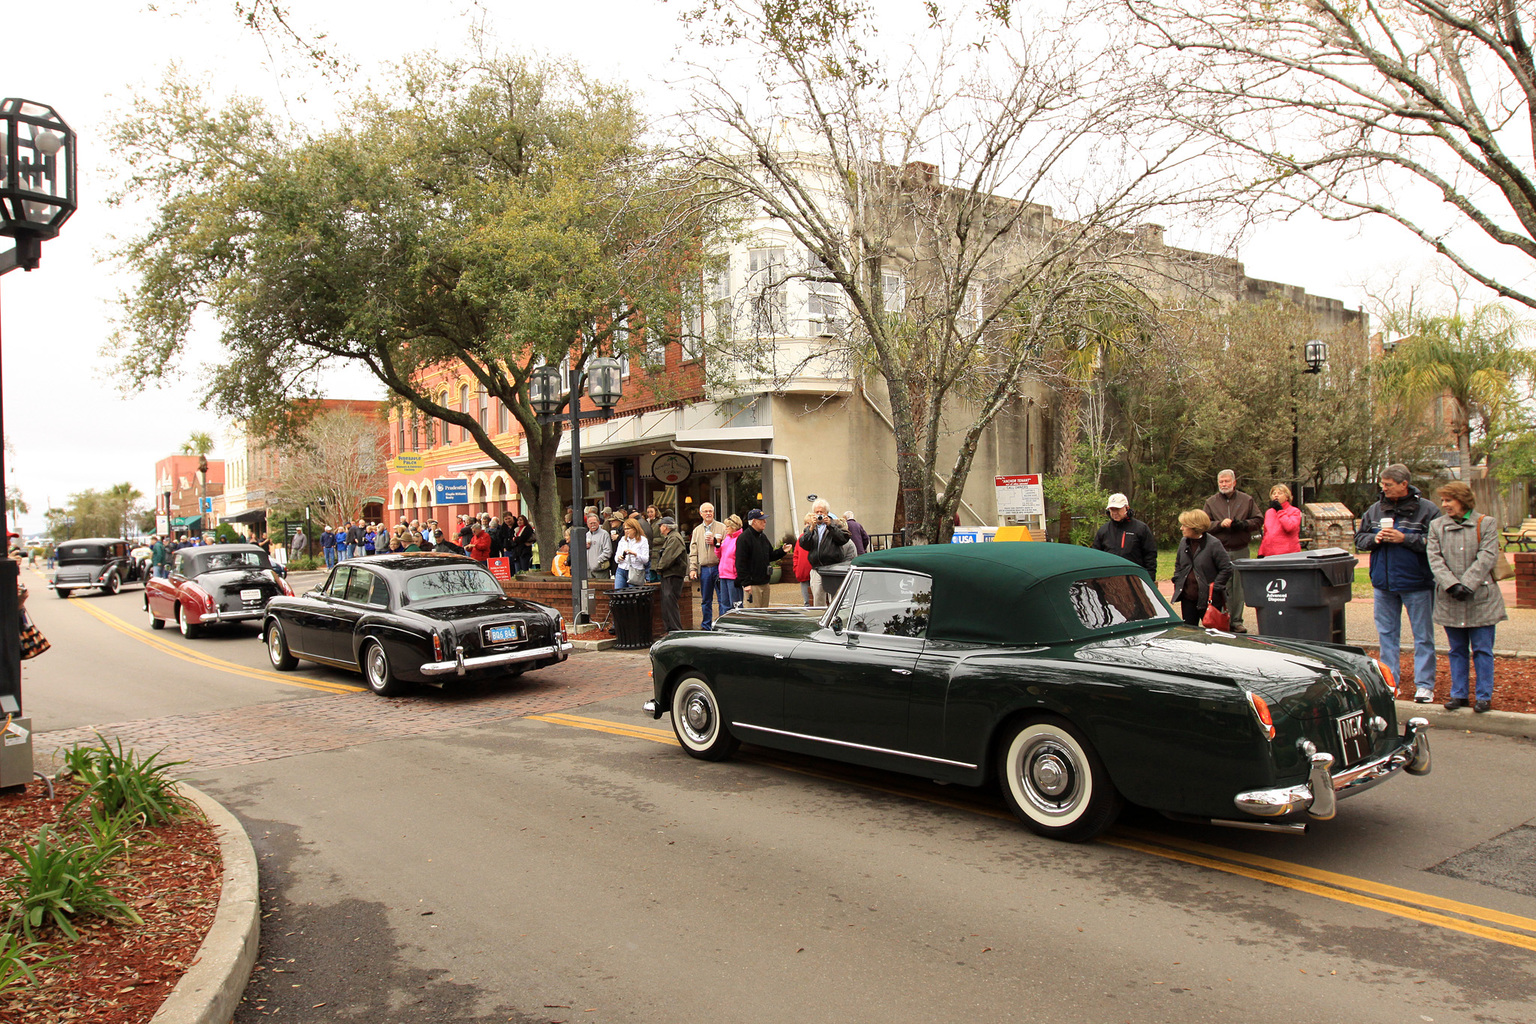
x,y
83,554
234,560
468,582
1114,600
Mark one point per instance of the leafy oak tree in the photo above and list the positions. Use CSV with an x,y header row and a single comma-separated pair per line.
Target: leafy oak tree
x,y
494,216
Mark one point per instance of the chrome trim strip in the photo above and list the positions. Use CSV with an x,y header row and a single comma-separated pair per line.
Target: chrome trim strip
x,y
223,616
460,664
855,746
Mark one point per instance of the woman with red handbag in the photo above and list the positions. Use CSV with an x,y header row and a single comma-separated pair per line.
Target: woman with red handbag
x,y
1201,568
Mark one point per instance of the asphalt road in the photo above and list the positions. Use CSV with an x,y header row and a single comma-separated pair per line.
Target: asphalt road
x,y
542,851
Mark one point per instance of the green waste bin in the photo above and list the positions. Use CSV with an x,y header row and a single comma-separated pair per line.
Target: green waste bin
x,y
1300,596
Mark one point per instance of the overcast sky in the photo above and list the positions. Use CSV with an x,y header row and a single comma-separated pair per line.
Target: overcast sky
x,y
73,429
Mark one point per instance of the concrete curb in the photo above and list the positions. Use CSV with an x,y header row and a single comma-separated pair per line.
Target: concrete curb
x,y
1497,723
210,990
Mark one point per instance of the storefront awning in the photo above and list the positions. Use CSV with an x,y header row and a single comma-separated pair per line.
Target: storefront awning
x,y
250,515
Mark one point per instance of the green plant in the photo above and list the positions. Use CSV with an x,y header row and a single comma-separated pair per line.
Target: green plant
x,y
299,563
59,878
119,782
18,962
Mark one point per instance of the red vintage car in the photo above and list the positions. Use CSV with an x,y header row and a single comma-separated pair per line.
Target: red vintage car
x,y
214,584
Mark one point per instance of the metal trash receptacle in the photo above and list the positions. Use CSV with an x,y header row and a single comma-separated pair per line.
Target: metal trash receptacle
x,y
631,608
1302,595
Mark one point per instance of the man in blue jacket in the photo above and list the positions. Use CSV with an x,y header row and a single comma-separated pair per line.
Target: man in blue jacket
x,y
1395,531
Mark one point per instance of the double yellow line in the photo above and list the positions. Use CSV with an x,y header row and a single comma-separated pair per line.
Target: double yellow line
x,y
1493,925
175,650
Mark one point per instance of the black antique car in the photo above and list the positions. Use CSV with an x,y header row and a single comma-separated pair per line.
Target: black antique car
x,y
93,563
416,618
1055,669
214,584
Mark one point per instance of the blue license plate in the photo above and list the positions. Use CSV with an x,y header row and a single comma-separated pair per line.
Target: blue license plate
x,y
502,634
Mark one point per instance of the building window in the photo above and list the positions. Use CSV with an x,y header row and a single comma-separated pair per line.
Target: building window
x,y
415,433
485,410
766,272
893,288
501,416
464,408
401,446
823,303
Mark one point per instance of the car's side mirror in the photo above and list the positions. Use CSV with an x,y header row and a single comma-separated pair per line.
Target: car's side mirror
x,y
313,592
837,625
281,570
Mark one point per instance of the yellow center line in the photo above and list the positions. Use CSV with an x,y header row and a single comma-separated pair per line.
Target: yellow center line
x,y
207,660
1360,892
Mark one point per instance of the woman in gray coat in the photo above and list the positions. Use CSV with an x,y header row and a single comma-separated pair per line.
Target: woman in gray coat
x,y
1463,547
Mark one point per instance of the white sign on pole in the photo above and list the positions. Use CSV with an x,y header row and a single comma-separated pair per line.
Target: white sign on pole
x,y
1020,495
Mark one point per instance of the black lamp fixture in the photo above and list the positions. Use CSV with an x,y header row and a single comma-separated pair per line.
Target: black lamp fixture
x,y
1315,353
604,379
37,178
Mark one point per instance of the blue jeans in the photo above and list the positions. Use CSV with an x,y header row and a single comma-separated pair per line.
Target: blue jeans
x,y
730,595
1481,640
620,579
1421,622
712,589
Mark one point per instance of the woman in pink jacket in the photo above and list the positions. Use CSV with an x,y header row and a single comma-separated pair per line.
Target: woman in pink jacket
x,y
1282,524
728,560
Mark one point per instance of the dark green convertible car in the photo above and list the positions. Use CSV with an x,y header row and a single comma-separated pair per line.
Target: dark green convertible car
x,y
1058,670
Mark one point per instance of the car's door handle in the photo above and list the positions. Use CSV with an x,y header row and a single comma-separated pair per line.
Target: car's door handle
x,y
779,657
902,671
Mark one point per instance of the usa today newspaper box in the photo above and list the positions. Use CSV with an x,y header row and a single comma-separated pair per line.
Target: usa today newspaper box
x,y
1301,596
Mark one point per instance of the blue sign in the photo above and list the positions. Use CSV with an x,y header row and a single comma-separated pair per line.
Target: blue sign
x,y
207,506
450,492
973,535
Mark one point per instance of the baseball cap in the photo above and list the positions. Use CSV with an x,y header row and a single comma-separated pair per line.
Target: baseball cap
x,y
1118,501
666,521
756,513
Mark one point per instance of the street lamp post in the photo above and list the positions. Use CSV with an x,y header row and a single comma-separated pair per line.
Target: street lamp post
x,y
604,379
37,195
1315,354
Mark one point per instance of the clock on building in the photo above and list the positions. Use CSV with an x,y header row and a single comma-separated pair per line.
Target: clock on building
x,y
671,467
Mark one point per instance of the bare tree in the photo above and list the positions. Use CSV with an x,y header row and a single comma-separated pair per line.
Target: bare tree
x,y
1419,111
338,458
948,220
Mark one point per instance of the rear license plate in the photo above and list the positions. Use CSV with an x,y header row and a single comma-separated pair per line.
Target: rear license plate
x,y
250,595
504,634
1353,739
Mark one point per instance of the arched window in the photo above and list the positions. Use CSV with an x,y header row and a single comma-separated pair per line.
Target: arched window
x,y
464,408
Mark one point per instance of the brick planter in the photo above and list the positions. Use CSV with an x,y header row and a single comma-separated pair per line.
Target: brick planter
x,y
1525,578
557,594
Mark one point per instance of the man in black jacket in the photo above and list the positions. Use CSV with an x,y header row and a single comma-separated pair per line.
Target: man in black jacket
x,y
1235,518
755,555
824,542
1127,536
671,563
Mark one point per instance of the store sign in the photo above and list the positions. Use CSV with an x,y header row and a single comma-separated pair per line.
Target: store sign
x,y
670,468
450,492
407,463
1020,495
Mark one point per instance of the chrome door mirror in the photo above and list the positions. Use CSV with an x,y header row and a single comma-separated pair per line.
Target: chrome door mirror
x,y
837,625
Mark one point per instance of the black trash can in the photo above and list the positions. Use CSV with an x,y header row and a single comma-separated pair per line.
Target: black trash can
x,y
1300,596
631,608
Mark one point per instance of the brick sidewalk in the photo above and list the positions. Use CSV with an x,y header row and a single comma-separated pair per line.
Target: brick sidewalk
x,y
265,732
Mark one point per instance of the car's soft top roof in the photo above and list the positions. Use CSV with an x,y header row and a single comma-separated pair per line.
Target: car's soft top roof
x,y
1006,592
410,561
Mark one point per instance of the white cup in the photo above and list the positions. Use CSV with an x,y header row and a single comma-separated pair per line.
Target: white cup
x,y
1386,522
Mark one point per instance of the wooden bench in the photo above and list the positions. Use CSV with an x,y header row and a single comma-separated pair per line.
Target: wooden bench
x,y
1522,537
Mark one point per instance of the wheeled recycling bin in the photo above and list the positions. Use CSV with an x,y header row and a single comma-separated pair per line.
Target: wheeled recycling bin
x,y
1302,595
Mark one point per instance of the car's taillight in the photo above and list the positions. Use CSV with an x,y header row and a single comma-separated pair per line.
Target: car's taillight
x,y
437,646
1261,712
563,636
1386,673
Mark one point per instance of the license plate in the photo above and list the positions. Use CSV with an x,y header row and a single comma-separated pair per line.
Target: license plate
x,y
1353,739
250,595
503,634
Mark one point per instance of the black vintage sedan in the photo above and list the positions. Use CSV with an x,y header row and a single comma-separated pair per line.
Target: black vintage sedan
x,y
93,563
414,618
1058,671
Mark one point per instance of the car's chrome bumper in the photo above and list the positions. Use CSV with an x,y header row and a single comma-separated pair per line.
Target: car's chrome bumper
x,y
460,664
244,615
1323,788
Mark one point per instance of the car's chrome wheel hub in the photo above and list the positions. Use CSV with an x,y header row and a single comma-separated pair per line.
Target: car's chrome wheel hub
x,y
1050,774
376,667
698,715
1051,781
275,644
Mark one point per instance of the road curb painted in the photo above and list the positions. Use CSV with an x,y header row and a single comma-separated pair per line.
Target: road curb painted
x,y
210,990
1498,723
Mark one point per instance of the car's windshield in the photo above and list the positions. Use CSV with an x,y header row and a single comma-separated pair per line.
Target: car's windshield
x,y
467,582
1114,600
235,560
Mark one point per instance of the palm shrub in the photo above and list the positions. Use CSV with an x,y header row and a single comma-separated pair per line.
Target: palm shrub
x,y
60,877
118,782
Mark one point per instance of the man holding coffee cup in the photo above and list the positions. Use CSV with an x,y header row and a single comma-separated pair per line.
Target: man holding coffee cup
x,y
704,564
1395,531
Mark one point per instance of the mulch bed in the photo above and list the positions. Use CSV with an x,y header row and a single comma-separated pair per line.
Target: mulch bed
x,y
1514,682
119,973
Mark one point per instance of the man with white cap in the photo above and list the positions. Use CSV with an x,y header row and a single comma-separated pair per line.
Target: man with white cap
x,y
1125,535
